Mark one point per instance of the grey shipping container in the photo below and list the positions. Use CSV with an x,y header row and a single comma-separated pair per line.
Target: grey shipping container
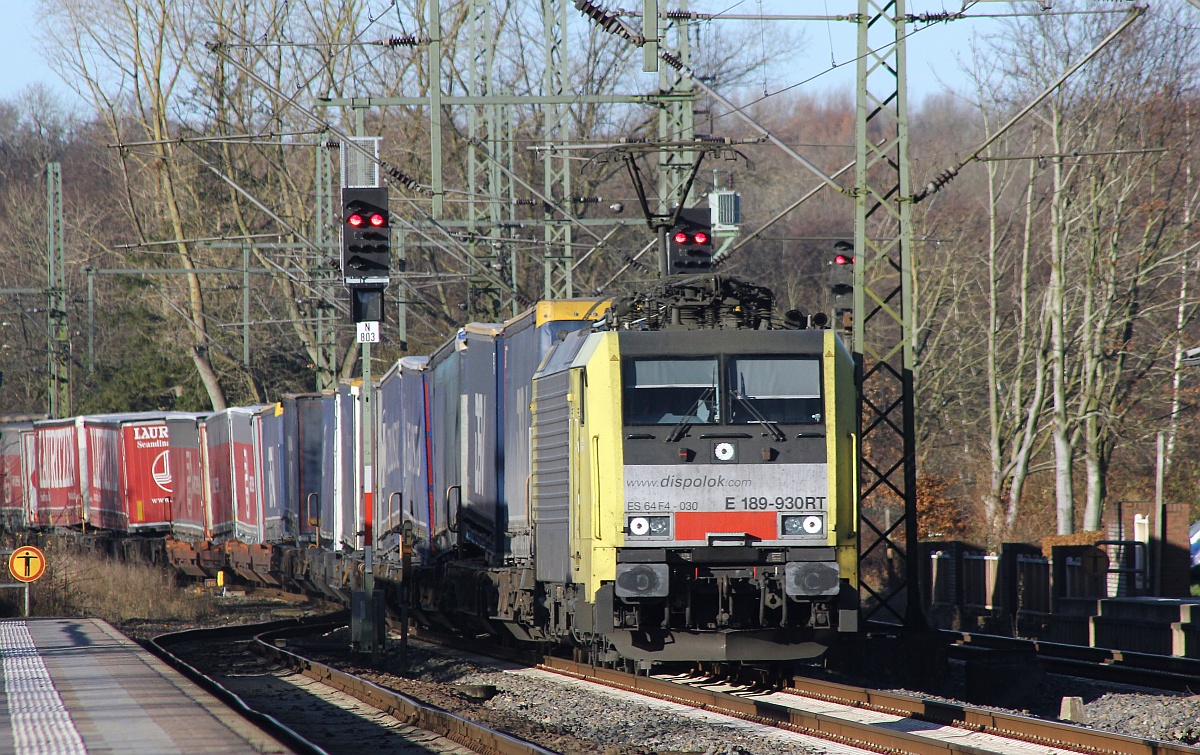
x,y
482,519
389,460
323,527
416,440
271,451
447,406
305,434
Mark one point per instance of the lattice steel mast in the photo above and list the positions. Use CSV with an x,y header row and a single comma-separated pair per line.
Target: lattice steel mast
x,y
58,344
884,320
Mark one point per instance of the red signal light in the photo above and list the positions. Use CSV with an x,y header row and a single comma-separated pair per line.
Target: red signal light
x,y
355,220
701,237
378,220
681,238
843,259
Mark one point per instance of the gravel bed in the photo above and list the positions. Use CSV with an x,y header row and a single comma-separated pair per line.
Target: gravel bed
x,y
1121,709
573,718
561,714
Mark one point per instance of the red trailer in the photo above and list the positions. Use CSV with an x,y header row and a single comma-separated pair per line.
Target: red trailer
x,y
189,515
101,467
234,475
128,472
148,482
29,474
12,490
57,473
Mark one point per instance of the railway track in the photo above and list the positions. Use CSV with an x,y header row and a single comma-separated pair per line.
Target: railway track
x,y
874,719
315,708
267,666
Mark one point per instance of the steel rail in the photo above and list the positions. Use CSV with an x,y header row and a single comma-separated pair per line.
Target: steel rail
x,y
830,727
462,730
158,646
1025,728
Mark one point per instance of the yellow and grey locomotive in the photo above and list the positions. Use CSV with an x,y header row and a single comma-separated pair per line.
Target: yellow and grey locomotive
x,y
668,478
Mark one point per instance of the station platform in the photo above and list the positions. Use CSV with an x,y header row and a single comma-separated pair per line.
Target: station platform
x,y
76,686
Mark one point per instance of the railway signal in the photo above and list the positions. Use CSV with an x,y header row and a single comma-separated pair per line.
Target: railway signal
x,y
841,285
689,242
366,236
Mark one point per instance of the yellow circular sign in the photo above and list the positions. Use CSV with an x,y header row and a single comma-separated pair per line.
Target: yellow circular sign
x,y
27,564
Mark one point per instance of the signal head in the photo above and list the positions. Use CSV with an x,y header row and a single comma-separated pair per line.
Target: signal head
x,y
365,236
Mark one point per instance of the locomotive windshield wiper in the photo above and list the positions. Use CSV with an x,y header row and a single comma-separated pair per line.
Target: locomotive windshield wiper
x,y
686,420
745,401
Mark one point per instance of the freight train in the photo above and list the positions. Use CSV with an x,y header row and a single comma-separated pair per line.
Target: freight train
x,y
669,476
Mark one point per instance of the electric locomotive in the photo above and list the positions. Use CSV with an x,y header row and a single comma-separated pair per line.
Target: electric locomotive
x,y
689,493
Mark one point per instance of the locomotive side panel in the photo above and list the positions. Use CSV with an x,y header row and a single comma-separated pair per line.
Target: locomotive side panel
x,y
527,339
842,443
596,382
551,484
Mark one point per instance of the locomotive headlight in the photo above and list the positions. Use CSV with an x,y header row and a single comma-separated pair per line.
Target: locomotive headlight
x,y
802,525
725,452
660,526
649,526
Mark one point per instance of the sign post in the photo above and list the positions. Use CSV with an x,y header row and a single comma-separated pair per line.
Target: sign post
x,y
26,564
366,265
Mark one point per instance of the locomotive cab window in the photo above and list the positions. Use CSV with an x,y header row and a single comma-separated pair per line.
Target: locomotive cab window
x,y
670,391
781,390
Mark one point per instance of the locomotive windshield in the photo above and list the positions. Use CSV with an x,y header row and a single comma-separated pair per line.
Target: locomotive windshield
x,y
668,391
784,390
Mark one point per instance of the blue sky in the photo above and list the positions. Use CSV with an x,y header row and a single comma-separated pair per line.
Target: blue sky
x,y
932,50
